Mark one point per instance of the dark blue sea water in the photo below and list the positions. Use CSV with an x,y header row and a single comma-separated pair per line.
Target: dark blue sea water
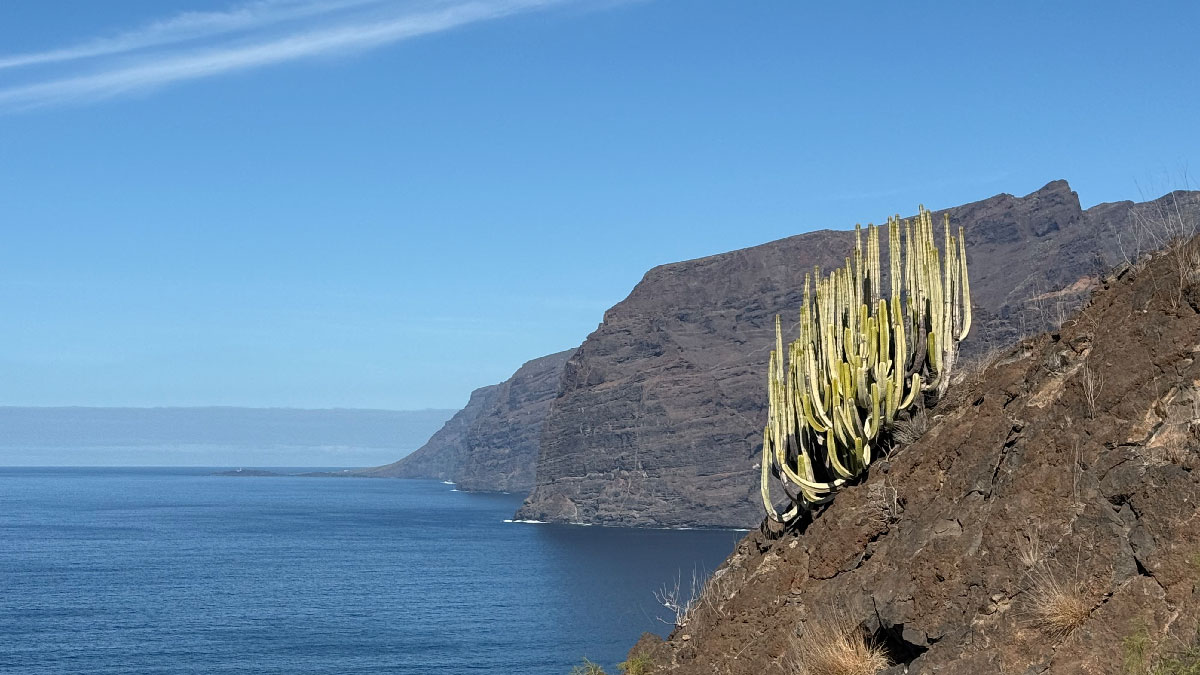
x,y
177,571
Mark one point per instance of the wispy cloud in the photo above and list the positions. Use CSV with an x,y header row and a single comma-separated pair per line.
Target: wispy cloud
x,y
194,45
184,27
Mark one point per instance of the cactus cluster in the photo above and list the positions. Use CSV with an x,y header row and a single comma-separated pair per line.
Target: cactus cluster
x,y
862,358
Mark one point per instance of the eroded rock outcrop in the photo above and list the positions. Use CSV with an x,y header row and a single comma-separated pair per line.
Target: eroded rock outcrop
x,y
491,444
1072,461
659,415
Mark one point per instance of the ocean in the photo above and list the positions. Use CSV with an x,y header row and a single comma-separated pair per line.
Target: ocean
x,y
165,571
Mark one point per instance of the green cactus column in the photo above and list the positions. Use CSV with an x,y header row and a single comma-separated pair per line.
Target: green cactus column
x,y
860,358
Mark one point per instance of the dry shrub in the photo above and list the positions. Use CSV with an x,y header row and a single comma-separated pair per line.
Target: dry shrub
x,y
1057,607
971,370
832,644
681,600
1167,227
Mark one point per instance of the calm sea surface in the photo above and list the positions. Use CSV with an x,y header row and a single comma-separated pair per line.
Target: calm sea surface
x,y
178,571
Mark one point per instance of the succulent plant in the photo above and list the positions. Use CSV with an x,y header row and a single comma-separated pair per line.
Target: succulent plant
x,y
862,358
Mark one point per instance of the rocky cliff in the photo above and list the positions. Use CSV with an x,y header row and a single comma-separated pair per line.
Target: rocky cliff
x,y
445,452
492,443
1047,521
659,413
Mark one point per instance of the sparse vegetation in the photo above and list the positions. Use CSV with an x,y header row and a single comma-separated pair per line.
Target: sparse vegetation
x,y
1093,384
971,370
1184,663
704,591
680,599
1137,649
638,664
715,591
1166,227
1139,657
1159,223
1057,607
588,668
832,644
908,431
1031,553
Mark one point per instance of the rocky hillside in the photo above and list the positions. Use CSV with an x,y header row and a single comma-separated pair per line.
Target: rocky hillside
x,y
660,412
1046,522
492,444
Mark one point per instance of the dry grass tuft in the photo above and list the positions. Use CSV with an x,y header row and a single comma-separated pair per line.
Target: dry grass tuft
x,y
832,644
972,370
588,668
909,431
1057,607
1031,551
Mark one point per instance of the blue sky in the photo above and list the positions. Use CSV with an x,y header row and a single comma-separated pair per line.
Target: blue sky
x,y
372,203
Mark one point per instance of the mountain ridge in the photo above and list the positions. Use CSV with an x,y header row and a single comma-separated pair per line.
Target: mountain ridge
x,y
659,412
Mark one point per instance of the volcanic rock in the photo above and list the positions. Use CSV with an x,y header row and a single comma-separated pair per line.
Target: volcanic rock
x,y
1071,462
491,445
659,415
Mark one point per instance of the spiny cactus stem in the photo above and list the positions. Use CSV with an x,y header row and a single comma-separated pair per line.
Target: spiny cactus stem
x,y
854,368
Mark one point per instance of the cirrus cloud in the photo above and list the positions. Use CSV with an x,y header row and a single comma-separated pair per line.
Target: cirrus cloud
x,y
195,45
